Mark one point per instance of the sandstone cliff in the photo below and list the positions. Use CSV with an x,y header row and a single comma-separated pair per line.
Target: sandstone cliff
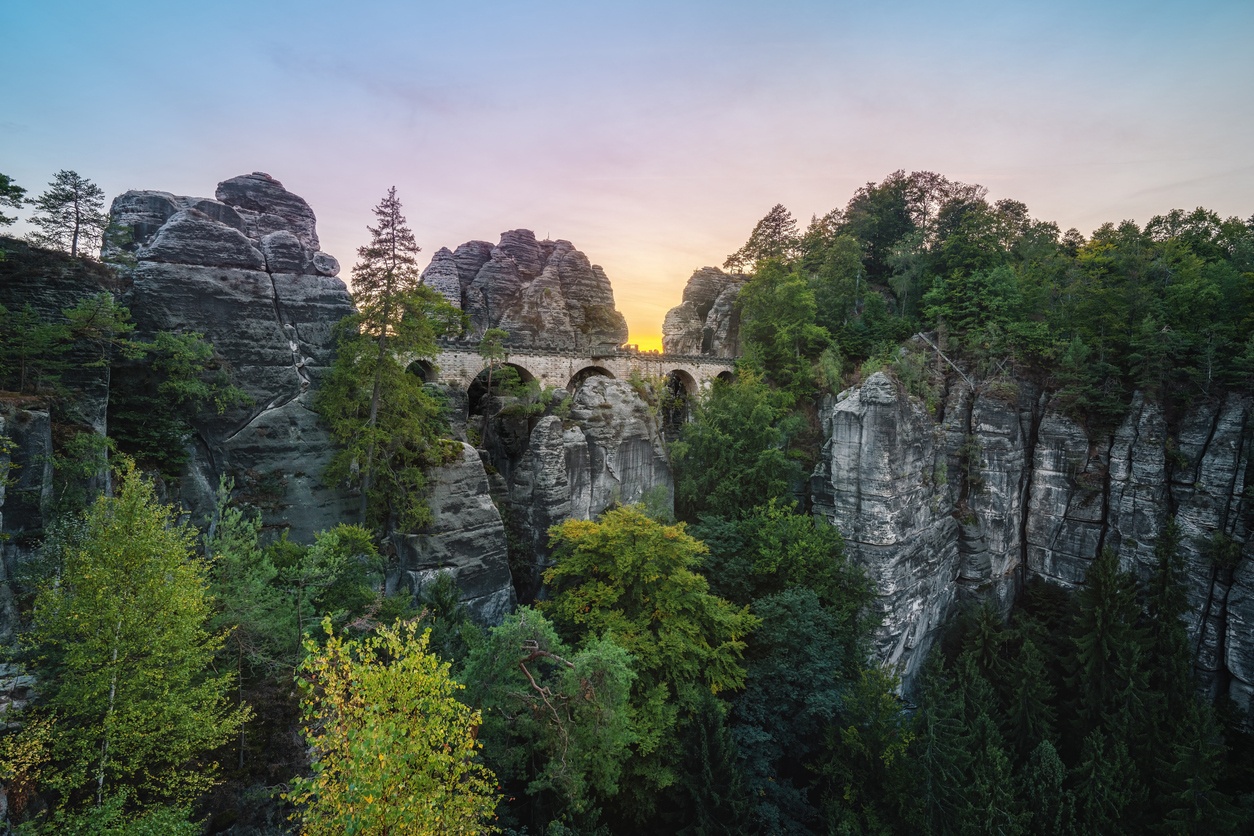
x,y
244,269
707,321
605,449
546,294
1002,486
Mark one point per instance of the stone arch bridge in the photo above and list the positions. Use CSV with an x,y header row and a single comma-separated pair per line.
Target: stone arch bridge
x,y
458,364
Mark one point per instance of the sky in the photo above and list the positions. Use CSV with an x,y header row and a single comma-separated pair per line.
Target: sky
x,y
652,135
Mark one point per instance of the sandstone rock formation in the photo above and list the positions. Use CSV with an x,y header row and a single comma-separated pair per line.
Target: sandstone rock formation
x,y
545,293
706,322
607,450
1004,486
244,270
466,540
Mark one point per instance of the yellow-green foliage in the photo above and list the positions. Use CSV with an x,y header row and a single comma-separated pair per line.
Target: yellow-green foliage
x,y
121,643
394,752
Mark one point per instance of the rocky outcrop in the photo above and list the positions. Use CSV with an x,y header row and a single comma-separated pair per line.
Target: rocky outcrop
x,y
880,480
244,270
1003,487
466,540
25,495
606,449
545,293
707,321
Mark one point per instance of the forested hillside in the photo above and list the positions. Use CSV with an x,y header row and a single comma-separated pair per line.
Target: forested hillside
x,y
205,636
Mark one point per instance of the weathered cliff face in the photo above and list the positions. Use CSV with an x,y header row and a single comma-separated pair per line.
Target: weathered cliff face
x,y
706,322
25,495
881,482
608,450
465,540
244,269
546,294
1005,487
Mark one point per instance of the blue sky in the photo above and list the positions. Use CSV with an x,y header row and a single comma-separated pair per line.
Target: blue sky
x,y
652,135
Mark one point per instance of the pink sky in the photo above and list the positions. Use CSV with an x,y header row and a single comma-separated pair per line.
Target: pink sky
x,y
651,135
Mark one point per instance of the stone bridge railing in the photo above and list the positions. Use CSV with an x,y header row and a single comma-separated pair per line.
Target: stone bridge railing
x,y
458,363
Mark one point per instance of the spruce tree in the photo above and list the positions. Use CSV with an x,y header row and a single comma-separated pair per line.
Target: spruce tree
x,y
388,424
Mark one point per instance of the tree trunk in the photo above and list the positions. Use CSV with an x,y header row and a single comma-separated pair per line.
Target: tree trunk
x,y
113,692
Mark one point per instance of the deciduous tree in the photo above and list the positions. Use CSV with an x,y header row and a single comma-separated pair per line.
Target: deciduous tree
x,y
393,750
126,659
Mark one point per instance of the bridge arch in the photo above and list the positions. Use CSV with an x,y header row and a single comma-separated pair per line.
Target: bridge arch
x,y
586,372
726,377
424,369
500,373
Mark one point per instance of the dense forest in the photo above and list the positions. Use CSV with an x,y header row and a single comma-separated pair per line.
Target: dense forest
x,y
705,669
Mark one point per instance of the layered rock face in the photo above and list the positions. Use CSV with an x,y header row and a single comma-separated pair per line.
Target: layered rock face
x,y
877,482
546,294
466,540
1003,487
707,321
607,450
244,269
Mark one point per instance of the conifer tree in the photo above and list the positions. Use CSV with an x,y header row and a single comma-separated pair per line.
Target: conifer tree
x,y
388,424
1046,798
775,236
11,195
70,214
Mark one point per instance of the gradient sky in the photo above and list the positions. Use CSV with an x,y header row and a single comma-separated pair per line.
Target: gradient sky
x,y
653,135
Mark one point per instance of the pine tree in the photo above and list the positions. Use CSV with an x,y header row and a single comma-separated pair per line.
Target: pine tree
x,y
11,195
388,424
1106,637
775,236
70,215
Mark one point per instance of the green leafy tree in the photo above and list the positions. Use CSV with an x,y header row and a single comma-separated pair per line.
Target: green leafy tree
x,y
734,454
866,771
252,612
631,579
556,720
154,399
11,195
778,333
393,750
338,577
774,237
70,214
32,350
126,659
388,425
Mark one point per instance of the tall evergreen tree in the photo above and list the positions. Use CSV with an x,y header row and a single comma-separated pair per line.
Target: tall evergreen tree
x,y
388,424
775,236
